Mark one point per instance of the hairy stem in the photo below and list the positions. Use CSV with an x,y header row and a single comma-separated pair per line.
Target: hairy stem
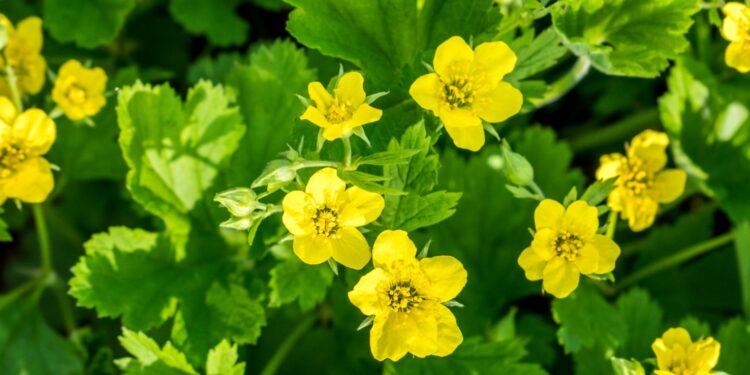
x,y
611,224
273,364
347,152
43,234
559,88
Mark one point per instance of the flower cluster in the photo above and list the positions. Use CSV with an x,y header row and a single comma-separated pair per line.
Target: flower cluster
x,y
677,354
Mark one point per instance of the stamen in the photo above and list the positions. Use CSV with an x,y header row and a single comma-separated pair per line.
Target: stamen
x,y
10,157
326,221
339,111
402,296
567,245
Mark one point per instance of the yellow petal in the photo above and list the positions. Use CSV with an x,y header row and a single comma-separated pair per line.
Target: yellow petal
x,y
350,248
549,214
426,91
297,219
609,165
670,184
734,27
315,116
560,277
29,35
420,330
459,117
663,354
446,274
677,337
361,207
532,264
386,339
498,104
335,131
452,51
351,89
494,60
587,259
391,246
737,56
319,95
449,336
364,114
34,68
34,131
650,147
468,138
543,243
31,183
7,112
326,187
615,200
640,213
581,219
608,252
704,355
364,295
312,249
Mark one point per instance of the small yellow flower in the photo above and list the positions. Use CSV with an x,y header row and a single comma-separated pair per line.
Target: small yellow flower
x,y
677,354
79,91
23,53
566,245
641,183
24,174
467,88
736,29
405,296
324,220
339,115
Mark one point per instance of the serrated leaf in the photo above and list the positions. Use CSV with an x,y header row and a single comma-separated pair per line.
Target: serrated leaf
x,y
368,182
635,38
627,367
149,358
643,319
88,23
587,320
387,157
734,338
215,19
535,53
222,360
292,280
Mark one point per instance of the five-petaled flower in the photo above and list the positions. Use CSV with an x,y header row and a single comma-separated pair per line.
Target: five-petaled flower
x,y
677,354
23,55
641,183
24,174
565,245
324,220
79,91
736,29
343,112
467,88
405,296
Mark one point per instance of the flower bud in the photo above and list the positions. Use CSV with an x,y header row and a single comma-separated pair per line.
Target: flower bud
x,y
516,168
239,201
277,174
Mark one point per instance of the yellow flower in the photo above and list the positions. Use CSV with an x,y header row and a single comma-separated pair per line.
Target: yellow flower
x,y
736,29
641,183
467,88
677,354
339,115
24,174
23,53
79,91
405,296
566,245
324,220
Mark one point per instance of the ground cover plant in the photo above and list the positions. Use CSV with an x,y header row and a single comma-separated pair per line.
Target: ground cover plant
x,y
374,186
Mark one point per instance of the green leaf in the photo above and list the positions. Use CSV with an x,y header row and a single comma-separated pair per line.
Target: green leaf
x,y
474,356
420,207
643,319
149,358
4,234
535,53
387,157
367,182
28,345
598,191
586,320
215,19
292,280
222,360
627,367
266,91
197,288
370,33
734,338
88,23
634,38
175,150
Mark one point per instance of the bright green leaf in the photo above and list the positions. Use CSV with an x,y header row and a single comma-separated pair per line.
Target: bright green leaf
x,y
292,280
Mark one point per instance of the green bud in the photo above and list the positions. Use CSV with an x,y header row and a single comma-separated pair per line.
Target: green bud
x,y
240,202
277,174
516,168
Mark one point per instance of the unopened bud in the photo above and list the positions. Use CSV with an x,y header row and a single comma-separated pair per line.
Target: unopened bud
x,y
516,168
277,173
240,202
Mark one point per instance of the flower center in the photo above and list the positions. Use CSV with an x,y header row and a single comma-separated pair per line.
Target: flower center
x,y
567,245
76,94
402,296
10,157
339,111
635,177
326,221
459,91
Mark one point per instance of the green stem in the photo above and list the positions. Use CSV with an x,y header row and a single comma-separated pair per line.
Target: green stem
x,y
347,152
621,130
66,309
565,83
273,364
675,259
13,84
538,191
742,247
611,224
43,234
